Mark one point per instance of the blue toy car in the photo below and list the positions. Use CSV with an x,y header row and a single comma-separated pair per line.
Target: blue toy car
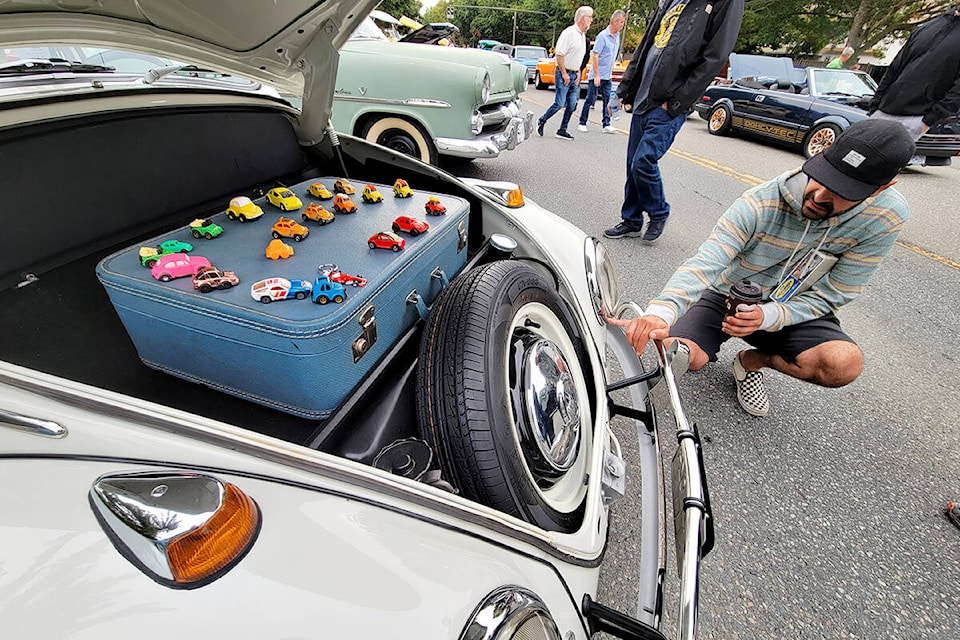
x,y
325,290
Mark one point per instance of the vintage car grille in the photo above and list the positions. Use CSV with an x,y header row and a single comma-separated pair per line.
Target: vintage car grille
x,y
496,116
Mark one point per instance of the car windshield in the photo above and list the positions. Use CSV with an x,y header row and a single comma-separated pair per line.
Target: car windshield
x,y
368,30
842,82
529,52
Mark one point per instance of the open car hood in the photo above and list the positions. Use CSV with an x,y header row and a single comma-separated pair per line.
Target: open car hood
x,y
290,45
431,33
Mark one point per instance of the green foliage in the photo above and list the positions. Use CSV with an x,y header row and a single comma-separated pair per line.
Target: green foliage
x,y
397,8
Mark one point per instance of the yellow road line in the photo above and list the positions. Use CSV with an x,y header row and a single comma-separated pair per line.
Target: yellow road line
x,y
753,181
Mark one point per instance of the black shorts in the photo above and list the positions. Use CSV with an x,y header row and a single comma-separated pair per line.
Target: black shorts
x,y
701,324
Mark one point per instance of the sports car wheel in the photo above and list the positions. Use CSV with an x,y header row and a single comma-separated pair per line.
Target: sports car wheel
x,y
205,288
371,245
819,138
225,285
300,295
720,120
538,83
395,248
502,397
265,299
403,136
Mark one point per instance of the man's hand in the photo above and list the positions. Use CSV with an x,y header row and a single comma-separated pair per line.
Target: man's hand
x,y
566,78
643,329
596,80
748,319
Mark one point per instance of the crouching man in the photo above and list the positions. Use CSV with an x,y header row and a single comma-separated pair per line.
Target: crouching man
x,y
811,239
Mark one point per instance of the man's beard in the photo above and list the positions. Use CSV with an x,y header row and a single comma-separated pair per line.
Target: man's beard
x,y
824,211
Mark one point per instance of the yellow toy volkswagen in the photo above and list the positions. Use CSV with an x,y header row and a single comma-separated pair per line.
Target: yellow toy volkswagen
x,y
283,198
243,208
319,190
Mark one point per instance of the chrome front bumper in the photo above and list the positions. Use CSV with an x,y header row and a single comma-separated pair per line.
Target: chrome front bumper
x,y
490,145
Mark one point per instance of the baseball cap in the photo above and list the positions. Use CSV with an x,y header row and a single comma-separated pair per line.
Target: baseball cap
x,y
866,156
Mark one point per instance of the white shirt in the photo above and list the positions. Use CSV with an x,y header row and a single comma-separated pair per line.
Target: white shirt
x,y
572,46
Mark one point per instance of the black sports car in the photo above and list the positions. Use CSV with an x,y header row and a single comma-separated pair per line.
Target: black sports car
x,y
768,98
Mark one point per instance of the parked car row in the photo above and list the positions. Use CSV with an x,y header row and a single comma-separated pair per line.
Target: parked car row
x,y
768,98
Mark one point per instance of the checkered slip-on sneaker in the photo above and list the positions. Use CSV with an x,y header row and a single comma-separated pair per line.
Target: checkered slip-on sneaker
x,y
750,392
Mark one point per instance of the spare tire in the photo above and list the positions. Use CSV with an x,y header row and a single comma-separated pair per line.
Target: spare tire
x,y
502,397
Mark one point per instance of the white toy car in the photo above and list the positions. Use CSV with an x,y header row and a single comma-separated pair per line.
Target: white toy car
x,y
460,491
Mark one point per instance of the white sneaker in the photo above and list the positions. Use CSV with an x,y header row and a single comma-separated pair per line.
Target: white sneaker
x,y
751,393
582,127
609,129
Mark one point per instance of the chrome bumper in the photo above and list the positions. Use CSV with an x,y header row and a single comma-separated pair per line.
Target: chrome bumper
x,y
489,145
693,521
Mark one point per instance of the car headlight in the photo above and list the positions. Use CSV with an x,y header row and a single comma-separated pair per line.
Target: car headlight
x,y
485,88
476,123
601,278
511,613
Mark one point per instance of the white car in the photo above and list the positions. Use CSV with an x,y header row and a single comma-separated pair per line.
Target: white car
x,y
462,488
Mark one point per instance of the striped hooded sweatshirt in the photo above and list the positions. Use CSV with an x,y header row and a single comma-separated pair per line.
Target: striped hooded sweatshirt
x,y
764,233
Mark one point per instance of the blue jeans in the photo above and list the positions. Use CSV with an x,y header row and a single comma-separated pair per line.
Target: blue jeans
x,y
651,135
565,98
592,89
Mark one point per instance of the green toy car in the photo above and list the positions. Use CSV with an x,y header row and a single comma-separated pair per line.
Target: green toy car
x,y
150,255
208,229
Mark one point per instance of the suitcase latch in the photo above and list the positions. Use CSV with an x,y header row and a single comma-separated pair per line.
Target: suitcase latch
x,y
461,236
369,336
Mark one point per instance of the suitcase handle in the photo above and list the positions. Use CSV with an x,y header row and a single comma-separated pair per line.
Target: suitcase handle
x,y
417,299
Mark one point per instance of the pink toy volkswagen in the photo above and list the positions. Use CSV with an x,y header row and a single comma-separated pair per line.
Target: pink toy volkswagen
x,y
177,265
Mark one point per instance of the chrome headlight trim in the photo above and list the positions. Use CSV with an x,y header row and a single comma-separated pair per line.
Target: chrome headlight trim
x,y
507,611
601,279
485,89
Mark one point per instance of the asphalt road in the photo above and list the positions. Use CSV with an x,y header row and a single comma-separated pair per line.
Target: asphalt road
x,y
829,511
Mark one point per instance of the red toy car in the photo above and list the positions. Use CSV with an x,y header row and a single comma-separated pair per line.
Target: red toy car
x,y
410,225
434,207
386,240
333,272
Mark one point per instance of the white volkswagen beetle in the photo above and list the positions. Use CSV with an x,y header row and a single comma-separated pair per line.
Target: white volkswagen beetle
x,y
460,489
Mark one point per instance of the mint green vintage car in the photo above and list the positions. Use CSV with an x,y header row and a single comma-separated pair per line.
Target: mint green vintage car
x,y
429,101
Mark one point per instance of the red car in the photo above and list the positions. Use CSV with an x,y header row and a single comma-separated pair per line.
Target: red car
x,y
410,225
434,207
386,240
333,272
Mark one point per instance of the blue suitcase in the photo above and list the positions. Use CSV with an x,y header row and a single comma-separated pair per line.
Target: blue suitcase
x,y
293,355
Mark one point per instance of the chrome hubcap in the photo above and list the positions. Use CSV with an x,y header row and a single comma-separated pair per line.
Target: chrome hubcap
x,y
551,429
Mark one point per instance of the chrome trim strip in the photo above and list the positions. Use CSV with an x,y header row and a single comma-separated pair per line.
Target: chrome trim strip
x,y
36,426
406,102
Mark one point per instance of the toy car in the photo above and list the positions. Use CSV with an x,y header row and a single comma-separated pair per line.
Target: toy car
x,y
409,225
343,186
343,204
401,189
325,290
315,212
333,272
434,207
386,240
270,289
206,279
319,190
177,265
283,198
150,255
205,228
243,208
371,194
278,250
289,228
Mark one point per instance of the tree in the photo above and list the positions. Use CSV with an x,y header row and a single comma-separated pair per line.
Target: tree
x,y
397,8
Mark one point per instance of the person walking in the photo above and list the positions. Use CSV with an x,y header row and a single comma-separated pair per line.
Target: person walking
x,y
922,84
685,45
840,61
837,210
570,50
606,48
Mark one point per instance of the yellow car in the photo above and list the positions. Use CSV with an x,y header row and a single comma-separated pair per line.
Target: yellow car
x,y
401,189
319,190
547,68
342,186
371,194
243,208
283,198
